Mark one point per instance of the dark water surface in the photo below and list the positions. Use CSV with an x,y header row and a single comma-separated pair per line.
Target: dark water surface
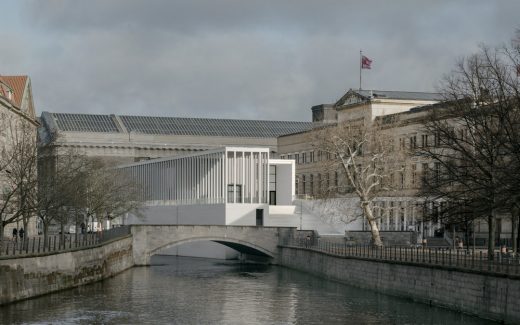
x,y
182,290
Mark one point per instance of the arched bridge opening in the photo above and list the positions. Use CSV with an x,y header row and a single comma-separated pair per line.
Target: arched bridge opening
x,y
259,244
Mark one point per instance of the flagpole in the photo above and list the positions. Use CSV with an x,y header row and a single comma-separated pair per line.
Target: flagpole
x,y
360,59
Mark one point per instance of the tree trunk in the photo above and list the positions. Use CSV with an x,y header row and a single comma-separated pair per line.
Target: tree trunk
x,y
491,237
62,234
376,238
1,235
514,233
45,234
466,233
25,222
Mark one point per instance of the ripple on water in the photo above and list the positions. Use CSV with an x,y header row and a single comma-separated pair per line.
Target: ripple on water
x,y
201,291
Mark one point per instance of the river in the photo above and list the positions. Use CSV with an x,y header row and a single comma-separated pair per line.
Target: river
x,y
183,290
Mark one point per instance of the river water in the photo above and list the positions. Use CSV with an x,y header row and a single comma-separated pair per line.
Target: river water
x,y
183,290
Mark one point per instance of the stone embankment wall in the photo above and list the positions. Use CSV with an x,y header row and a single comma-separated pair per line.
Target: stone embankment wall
x,y
476,293
26,277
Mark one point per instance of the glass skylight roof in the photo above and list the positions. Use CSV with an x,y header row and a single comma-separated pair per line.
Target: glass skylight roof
x,y
178,126
85,122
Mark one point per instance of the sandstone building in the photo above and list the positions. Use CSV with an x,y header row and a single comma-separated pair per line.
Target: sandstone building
x,y
16,110
123,139
399,117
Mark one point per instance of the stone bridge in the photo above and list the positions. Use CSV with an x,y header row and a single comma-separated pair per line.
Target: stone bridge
x,y
251,241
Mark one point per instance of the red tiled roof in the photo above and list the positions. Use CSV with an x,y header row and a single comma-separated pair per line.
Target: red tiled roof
x,y
17,83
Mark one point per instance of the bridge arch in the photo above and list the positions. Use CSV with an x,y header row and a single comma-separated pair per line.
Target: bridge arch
x,y
241,246
253,241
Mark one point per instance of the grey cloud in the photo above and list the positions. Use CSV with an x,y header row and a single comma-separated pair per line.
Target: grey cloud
x,y
241,59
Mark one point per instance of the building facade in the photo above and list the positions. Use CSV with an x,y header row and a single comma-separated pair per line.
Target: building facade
x,y
17,123
225,186
399,117
119,139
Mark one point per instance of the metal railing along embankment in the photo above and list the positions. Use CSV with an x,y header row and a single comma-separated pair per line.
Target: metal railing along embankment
x,y
59,243
460,259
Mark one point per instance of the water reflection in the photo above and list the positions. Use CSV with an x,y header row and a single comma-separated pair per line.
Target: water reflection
x,y
179,290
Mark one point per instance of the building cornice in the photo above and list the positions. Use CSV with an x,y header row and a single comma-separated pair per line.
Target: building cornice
x,y
4,102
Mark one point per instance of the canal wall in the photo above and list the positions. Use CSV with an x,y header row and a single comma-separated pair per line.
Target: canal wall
x,y
30,276
484,295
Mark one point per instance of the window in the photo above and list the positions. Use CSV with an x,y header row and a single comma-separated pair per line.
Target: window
x,y
272,178
425,171
437,140
414,175
311,156
231,193
327,183
402,177
297,158
311,178
424,140
437,171
303,184
413,142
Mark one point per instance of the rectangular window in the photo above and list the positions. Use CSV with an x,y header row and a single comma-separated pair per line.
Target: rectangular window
x,y
414,175
425,171
402,177
424,140
231,193
272,178
437,140
413,142
437,171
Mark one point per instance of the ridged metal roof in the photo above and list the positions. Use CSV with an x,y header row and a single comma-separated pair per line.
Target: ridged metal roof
x,y
176,125
85,122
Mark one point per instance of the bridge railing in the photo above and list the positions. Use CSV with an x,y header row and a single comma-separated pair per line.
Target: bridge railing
x,y
58,243
462,259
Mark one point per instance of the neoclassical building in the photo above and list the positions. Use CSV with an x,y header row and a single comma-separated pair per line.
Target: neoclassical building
x,y
121,139
399,118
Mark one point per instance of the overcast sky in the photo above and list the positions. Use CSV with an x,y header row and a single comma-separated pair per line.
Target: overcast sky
x,y
236,58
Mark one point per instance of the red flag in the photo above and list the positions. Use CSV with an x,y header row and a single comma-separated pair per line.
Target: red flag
x,y
365,62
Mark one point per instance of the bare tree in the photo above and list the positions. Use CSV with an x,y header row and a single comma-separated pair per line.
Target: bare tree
x,y
108,194
367,163
476,157
17,170
59,182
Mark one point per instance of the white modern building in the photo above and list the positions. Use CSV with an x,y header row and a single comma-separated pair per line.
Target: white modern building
x,y
225,186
